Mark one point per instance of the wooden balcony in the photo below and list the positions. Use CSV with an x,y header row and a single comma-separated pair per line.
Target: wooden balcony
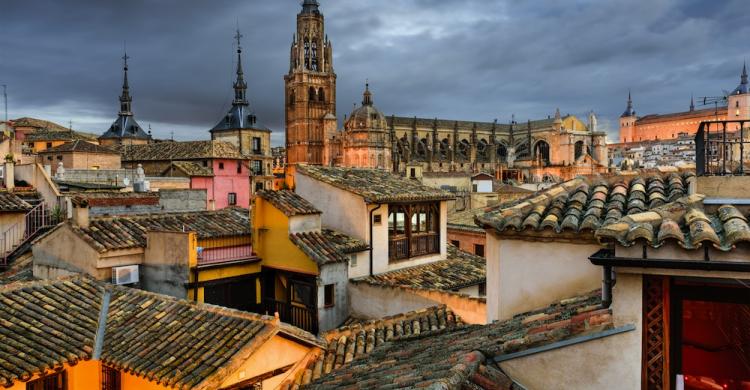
x,y
302,317
404,247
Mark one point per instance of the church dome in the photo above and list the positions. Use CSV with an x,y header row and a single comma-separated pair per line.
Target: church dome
x,y
367,116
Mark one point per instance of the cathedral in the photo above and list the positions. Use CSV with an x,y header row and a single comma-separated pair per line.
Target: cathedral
x,y
559,147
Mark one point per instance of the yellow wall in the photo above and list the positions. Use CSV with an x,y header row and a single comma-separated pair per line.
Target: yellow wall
x,y
275,353
42,145
224,241
86,375
271,240
132,382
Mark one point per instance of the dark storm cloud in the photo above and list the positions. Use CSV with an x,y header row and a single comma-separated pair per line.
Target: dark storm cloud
x,y
474,60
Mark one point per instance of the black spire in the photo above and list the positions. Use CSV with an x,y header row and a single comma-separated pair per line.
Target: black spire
x,y
367,96
629,110
692,103
310,7
743,77
240,86
125,99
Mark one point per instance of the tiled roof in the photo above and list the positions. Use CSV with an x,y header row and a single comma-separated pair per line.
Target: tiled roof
x,y
176,343
461,269
345,242
684,222
39,123
109,233
10,202
80,147
452,358
376,186
582,204
540,124
360,339
325,247
190,168
115,198
186,150
288,202
464,220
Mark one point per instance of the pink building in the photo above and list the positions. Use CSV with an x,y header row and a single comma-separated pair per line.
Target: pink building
x,y
216,166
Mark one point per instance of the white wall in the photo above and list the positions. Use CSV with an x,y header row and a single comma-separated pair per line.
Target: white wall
x,y
482,185
304,223
332,317
526,275
360,266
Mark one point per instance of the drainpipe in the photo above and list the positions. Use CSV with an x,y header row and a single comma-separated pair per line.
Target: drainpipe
x,y
371,240
607,283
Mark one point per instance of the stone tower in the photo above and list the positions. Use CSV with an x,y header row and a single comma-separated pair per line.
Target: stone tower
x,y
627,122
738,101
310,88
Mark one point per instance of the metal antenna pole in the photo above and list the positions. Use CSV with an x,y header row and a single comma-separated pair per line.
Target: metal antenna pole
x,y
5,97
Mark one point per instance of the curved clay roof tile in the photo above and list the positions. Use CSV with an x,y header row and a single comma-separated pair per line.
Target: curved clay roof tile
x,y
644,231
736,230
670,229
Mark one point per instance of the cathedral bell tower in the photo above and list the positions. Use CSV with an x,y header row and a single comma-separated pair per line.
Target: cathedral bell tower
x,y
310,88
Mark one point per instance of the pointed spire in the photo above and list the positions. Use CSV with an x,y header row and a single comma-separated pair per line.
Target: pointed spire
x,y
367,96
125,98
742,88
743,77
310,7
629,110
692,103
240,86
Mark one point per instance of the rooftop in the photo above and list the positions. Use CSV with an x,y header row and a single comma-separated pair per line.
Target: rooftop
x,y
189,168
136,328
464,220
375,186
184,150
327,246
10,202
288,202
110,233
684,222
585,204
461,269
454,357
79,146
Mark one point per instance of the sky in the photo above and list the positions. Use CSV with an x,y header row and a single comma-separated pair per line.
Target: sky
x,y
475,60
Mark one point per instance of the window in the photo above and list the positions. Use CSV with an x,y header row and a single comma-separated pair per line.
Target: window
x,y
221,165
456,243
474,188
353,260
205,163
328,295
413,173
59,158
311,94
483,289
258,186
377,219
256,167
232,199
57,381
256,145
302,293
49,144
239,166
110,378
413,230
479,250
321,95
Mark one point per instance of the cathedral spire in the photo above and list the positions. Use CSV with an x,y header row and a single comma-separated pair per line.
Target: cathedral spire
x,y
240,86
692,103
367,95
310,7
125,98
743,77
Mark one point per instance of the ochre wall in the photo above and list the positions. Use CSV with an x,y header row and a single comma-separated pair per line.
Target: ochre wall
x,y
467,239
271,240
276,353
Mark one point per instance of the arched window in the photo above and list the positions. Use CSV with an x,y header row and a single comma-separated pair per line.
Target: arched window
x,y
314,59
307,54
464,149
321,95
541,152
312,94
422,148
445,147
483,150
291,98
502,153
578,149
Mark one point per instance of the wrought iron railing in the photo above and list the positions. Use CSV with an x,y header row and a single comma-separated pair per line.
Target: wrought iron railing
x,y
722,148
302,317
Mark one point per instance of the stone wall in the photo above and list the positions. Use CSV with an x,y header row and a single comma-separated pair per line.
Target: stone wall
x,y
166,268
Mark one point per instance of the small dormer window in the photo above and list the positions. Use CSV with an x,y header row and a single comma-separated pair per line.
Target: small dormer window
x,y
221,165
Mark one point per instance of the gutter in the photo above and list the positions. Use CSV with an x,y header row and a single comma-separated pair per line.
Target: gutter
x,y
371,240
103,313
605,257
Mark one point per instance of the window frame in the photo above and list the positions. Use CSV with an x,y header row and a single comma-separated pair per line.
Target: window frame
x,y
111,378
42,383
232,198
329,295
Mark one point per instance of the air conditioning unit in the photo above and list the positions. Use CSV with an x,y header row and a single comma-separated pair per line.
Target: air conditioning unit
x,y
125,275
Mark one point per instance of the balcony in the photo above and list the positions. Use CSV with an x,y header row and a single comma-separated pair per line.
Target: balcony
x,y
420,244
722,148
299,316
226,254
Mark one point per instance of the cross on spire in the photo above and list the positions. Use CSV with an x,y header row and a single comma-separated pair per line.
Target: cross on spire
x,y
240,87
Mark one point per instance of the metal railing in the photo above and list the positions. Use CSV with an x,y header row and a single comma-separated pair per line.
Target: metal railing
x,y
36,220
722,148
241,251
302,317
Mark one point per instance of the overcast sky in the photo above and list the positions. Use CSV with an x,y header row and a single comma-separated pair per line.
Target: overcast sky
x,y
453,59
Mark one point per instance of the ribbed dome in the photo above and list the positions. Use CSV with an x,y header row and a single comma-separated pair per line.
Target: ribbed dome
x,y
367,116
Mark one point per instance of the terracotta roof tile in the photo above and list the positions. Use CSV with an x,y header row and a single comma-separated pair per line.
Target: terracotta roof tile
x,y
10,202
683,222
79,146
376,186
190,168
288,202
185,150
176,343
455,357
465,220
585,205
109,233
327,246
461,269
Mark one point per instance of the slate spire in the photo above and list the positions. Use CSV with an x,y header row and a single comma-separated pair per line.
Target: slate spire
x,y
125,98
240,86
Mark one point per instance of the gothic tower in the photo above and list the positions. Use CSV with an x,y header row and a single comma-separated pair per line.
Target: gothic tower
x,y
310,88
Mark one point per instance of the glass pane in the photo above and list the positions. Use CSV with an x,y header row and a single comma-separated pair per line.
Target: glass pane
x,y
423,222
400,220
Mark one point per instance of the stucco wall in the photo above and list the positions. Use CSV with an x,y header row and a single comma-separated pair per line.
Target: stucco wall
x,y
368,301
166,262
332,317
62,253
304,223
524,275
359,264
467,240
182,199
273,354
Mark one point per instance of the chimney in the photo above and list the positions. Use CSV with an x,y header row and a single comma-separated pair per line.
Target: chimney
x,y
81,212
10,174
